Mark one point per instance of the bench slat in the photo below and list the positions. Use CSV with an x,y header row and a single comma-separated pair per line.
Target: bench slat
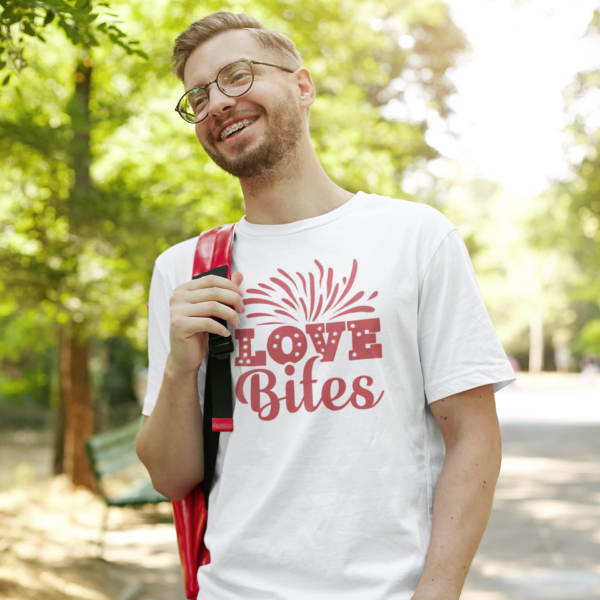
x,y
104,457
138,493
118,464
116,437
113,451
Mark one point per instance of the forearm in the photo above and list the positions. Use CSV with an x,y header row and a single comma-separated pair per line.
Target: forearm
x,y
462,506
170,443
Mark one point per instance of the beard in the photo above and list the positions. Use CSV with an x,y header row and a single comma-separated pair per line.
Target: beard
x,y
278,143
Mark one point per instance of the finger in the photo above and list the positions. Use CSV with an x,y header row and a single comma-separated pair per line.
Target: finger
x,y
227,297
210,281
189,326
211,309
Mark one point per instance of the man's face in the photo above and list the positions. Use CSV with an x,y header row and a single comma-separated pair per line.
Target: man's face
x,y
271,105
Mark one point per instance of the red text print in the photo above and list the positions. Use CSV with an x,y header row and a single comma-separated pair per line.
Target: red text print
x,y
287,344
326,349
246,358
255,387
363,339
307,310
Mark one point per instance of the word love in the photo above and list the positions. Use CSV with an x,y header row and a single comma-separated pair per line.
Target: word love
x,y
288,344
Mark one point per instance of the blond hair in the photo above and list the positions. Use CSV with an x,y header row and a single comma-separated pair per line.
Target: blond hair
x,y
212,25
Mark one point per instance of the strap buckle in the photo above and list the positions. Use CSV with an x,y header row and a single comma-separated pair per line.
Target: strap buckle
x,y
219,346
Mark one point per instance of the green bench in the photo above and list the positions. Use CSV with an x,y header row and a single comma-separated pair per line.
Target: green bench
x,y
120,476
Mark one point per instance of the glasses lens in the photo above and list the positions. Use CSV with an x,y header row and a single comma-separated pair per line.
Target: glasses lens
x,y
194,105
235,79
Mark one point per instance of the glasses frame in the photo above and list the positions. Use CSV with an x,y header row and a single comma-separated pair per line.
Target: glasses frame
x,y
249,62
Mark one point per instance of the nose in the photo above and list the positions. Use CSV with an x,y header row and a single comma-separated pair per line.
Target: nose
x,y
218,102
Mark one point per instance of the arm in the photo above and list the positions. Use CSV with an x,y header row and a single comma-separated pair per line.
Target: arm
x,y
170,442
465,490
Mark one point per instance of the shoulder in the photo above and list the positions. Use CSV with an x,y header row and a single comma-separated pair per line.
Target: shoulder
x,y
420,222
175,264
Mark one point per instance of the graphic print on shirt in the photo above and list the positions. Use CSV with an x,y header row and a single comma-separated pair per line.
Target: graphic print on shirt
x,y
308,315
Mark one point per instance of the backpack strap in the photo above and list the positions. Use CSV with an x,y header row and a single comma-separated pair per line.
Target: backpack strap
x,y
213,256
214,249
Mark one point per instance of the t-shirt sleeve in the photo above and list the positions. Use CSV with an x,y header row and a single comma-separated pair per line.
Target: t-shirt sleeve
x,y
158,337
458,347
159,319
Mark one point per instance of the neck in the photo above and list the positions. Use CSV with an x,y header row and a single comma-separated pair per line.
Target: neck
x,y
297,189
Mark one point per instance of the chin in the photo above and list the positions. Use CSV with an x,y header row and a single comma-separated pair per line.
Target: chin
x,y
253,160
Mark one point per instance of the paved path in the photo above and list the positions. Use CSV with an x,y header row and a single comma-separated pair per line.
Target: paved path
x,y
543,539
551,398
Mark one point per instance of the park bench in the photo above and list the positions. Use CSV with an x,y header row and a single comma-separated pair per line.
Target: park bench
x,y
120,476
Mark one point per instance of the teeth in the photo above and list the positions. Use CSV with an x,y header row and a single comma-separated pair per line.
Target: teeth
x,y
235,127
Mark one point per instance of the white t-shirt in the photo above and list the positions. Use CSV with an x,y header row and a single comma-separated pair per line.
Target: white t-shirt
x,y
355,321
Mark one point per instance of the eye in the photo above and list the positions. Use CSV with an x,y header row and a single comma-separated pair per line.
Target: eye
x,y
235,75
197,97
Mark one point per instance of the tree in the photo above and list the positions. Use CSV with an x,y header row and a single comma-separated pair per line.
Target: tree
x,y
523,286
75,422
30,17
99,174
571,208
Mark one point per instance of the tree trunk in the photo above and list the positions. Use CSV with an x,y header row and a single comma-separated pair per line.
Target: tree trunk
x,y
59,434
77,401
82,192
75,389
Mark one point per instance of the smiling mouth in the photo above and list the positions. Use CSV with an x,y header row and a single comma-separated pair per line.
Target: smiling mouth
x,y
234,129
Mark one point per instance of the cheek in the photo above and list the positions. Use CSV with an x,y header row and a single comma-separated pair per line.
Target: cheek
x,y
201,133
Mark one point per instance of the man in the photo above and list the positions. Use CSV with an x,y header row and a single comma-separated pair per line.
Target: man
x,y
366,445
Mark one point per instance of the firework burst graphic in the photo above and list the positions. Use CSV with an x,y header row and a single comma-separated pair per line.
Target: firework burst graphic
x,y
307,299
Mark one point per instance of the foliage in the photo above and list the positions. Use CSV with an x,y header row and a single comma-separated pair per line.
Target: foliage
x,y
516,279
117,384
572,207
80,21
26,359
88,259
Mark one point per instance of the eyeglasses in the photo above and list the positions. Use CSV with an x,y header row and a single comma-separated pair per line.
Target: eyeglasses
x,y
234,80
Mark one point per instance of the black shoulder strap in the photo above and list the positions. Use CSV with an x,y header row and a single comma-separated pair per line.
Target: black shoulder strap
x,y
211,439
213,256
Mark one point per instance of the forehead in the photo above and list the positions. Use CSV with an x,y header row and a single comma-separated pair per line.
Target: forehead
x,y
207,59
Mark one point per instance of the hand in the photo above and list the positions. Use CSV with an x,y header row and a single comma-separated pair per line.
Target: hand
x,y
193,305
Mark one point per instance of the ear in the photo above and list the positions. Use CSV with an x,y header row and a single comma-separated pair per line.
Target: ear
x,y
306,88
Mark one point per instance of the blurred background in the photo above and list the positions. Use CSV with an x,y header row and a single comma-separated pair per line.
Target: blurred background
x,y
487,110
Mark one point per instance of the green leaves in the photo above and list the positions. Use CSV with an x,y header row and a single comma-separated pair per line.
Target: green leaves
x,y
87,255
28,29
75,20
49,17
570,210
